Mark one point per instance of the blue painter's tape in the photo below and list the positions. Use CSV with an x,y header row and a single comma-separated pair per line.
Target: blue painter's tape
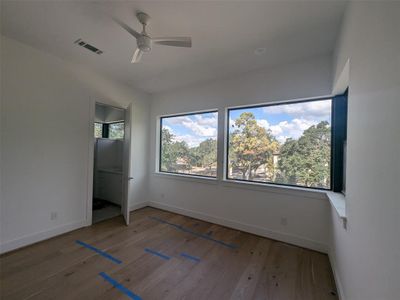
x,y
120,287
204,236
194,258
157,253
98,251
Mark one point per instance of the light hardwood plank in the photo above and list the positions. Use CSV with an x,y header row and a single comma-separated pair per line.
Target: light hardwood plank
x,y
259,268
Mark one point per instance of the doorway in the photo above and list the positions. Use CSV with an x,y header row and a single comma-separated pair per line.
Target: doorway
x,y
108,175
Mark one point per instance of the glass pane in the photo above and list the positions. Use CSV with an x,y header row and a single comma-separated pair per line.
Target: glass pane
x,y
189,144
287,144
98,130
116,130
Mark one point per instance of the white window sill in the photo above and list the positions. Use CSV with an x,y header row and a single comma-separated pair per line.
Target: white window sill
x,y
275,188
188,177
338,202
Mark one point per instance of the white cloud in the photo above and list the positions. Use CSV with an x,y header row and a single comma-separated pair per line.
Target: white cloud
x,y
293,129
287,129
276,130
209,121
191,140
263,123
199,128
202,130
307,110
169,128
205,127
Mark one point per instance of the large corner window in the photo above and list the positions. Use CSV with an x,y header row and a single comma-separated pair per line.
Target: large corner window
x,y
188,144
286,144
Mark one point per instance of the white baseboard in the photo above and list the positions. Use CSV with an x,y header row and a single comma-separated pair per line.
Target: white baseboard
x,y
40,236
44,235
138,206
280,236
339,286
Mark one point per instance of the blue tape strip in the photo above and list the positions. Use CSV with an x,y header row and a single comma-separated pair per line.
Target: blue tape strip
x,y
98,251
119,286
204,236
194,258
156,253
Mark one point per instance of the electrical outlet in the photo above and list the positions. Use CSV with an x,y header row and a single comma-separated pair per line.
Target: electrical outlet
x,y
53,215
284,221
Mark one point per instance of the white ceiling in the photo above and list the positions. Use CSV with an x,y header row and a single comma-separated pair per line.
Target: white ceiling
x,y
224,33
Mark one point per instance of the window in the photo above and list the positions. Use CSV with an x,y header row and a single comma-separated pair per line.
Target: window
x,y
339,143
98,130
288,144
116,130
109,131
188,144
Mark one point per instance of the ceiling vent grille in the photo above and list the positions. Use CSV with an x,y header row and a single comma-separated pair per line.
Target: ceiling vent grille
x,y
83,44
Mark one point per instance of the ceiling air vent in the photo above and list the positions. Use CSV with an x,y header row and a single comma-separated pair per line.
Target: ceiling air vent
x,y
83,44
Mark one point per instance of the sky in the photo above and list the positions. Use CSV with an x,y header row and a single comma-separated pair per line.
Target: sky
x,y
284,121
193,129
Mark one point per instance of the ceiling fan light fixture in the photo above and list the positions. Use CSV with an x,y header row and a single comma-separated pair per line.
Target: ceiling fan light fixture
x,y
145,41
260,51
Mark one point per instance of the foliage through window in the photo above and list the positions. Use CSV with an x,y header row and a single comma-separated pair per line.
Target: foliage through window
x,y
189,144
116,130
287,144
98,130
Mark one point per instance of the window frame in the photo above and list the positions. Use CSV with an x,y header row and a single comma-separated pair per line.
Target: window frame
x,y
266,183
160,119
105,130
339,142
108,129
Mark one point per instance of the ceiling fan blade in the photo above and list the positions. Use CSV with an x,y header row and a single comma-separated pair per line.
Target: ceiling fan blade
x,y
127,28
174,41
137,55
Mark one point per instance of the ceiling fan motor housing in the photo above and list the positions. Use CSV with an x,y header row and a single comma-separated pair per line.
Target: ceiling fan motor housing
x,y
144,43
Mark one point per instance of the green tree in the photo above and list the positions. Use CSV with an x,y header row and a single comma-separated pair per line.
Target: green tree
x,y
171,151
98,130
167,156
181,152
250,146
306,161
116,130
208,153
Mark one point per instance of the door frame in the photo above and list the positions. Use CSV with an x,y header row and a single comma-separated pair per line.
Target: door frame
x,y
90,155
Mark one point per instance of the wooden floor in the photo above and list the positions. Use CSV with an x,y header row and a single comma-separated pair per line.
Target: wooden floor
x,y
258,268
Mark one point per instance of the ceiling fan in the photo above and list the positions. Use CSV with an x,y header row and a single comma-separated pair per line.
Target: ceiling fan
x,y
144,41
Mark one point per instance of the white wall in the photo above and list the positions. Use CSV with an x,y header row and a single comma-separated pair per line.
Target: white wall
x,y
46,108
366,256
108,114
258,210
